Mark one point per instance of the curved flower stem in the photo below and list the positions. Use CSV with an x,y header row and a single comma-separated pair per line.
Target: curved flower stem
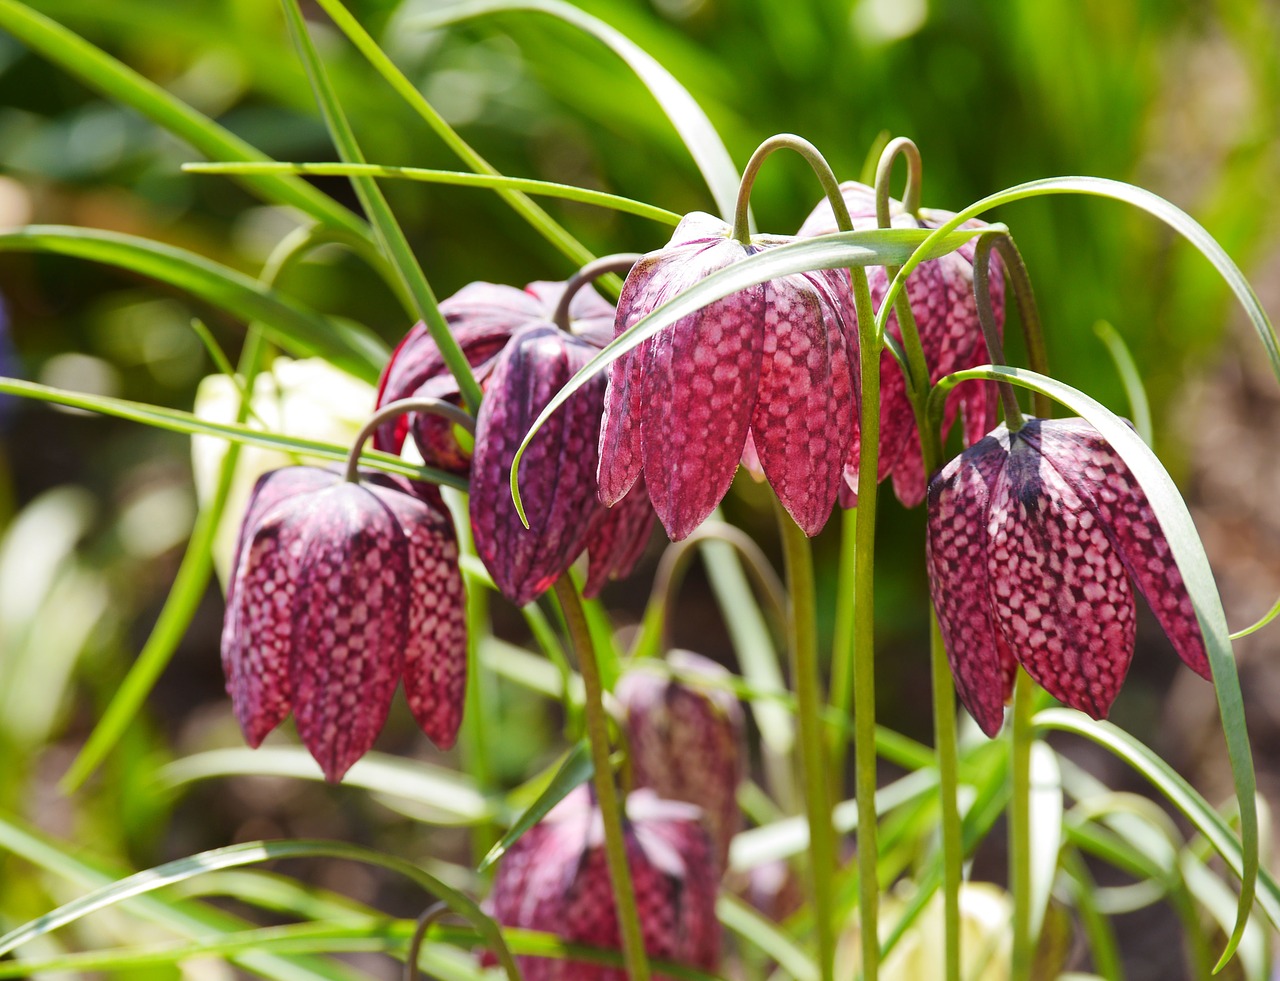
x,y
864,655
1029,314
803,637
1020,828
618,263
439,407
606,793
430,916
815,159
990,333
905,147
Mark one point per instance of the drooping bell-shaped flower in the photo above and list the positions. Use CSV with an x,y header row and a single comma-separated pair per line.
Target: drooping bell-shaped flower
x,y
555,878
482,317
1036,540
686,740
558,471
340,590
771,362
941,296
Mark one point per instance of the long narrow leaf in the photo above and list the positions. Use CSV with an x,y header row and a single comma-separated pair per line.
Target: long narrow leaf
x,y
576,770
389,234
873,247
1130,378
1188,552
695,129
119,82
1046,830
287,322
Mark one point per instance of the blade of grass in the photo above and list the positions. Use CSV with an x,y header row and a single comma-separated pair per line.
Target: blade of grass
x,y
388,232
1130,377
576,770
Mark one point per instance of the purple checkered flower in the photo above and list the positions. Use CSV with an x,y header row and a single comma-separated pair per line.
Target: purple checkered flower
x,y
686,740
340,590
1037,540
771,364
941,296
555,878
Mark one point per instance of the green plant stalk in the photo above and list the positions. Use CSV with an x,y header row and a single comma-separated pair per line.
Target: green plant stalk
x,y
946,746
615,845
1020,827
389,235
864,655
803,643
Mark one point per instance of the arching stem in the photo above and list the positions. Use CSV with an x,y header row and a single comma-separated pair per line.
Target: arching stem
x,y
619,263
430,917
439,407
906,148
815,159
990,333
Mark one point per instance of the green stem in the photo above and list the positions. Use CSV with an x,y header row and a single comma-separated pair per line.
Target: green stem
x,y
606,793
841,695
787,141
803,637
990,333
944,728
904,147
864,664
1028,312
1020,827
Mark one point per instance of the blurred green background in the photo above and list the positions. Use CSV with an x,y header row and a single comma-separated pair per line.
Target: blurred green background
x,y
1180,97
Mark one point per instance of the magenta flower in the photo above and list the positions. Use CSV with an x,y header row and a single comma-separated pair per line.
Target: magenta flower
x,y
941,296
555,879
1035,542
686,740
771,362
558,482
340,590
482,316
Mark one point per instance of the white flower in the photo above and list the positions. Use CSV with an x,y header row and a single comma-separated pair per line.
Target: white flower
x,y
310,399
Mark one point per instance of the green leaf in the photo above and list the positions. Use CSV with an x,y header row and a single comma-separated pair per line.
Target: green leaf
x,y
567,192
695,129
1046,830
440,796
117,81
178,421
872,247
573,773
251,853
288,323
754,929
1130,378
390,237
1193,564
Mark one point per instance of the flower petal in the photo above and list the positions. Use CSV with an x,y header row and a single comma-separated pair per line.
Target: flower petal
x,y
1095,471
957,556
1060,592
802,425
349,626
435,651
558,472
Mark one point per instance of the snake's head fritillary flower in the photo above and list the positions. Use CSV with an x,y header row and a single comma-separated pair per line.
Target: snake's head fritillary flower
x,y
555,878
483,317
1036,541
941,296
341,590
686,739
771,362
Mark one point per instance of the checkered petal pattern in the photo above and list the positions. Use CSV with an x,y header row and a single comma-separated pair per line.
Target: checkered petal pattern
x,y
1036,540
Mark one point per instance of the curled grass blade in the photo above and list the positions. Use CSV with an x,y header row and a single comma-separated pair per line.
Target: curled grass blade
x,y
119,82
252,853
445,797
873,247
1193,564
576,770
286,322
567,192
175,420
390,237
695,129
1130,378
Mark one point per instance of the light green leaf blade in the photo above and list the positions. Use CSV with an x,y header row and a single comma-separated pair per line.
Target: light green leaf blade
x,y
287,322
1130,378
573,773
1046,830
1188,552
119,82
695,129
754,929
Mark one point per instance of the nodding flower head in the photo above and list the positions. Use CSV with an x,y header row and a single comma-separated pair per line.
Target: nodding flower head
x,y
686,739
558,471
771,362
340,590
555,878
1036,541
941,295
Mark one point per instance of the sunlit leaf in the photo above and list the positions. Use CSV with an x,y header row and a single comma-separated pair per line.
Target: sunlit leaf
x,y
573,773
1130,378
